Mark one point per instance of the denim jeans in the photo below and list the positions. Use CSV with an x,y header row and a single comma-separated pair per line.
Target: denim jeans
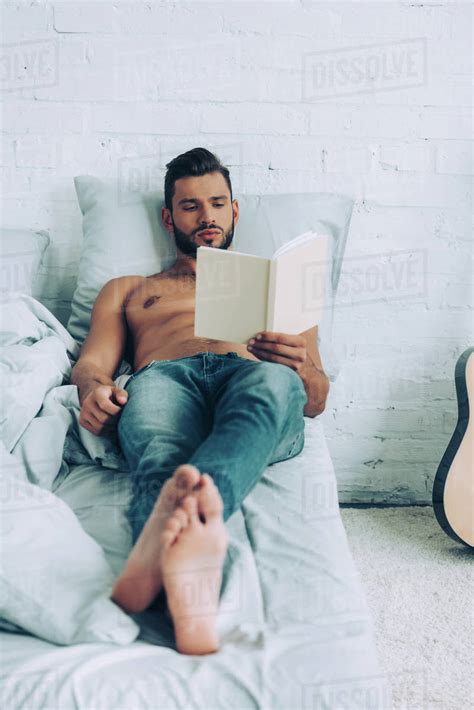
x,y
229,416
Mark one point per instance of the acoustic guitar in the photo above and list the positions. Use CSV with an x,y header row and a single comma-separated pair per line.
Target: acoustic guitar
x,y
453,488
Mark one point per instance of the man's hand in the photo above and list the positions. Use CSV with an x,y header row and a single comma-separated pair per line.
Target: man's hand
x,y
100,407
286,349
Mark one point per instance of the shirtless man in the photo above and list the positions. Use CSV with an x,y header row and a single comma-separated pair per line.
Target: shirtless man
x,y
192,407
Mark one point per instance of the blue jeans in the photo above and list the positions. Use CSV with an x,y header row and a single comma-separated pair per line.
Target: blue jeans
x,y
229,416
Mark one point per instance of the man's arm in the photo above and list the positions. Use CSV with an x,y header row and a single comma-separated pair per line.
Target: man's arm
x,y
100,356
101,352
314,378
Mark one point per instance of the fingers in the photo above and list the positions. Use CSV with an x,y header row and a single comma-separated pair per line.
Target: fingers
x,y
104,399
108,407
278,350
95,421
98,412
271,357
101,399
295,341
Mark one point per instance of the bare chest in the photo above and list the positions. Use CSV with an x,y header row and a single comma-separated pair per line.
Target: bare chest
x,y
158,298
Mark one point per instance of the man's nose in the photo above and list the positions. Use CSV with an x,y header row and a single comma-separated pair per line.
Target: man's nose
x,y
205,217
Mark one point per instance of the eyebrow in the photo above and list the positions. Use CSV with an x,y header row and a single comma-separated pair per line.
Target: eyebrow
x,y
194,199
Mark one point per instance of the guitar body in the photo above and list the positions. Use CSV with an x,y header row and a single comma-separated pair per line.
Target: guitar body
x,y
453,488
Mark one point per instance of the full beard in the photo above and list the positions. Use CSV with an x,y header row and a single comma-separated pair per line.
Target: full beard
x,y
186,244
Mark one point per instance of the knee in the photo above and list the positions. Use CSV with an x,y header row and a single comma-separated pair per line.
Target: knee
x,y
282,382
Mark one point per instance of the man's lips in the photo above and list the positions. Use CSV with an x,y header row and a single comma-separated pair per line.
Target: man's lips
x,y
208,233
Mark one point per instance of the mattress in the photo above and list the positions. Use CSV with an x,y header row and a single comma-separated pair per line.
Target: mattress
x,y
294,624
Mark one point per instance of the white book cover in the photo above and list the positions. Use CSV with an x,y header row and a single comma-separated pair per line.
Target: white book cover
x,y
238,294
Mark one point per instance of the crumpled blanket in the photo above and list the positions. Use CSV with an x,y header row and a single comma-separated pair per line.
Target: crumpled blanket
x,y
39,408
293,619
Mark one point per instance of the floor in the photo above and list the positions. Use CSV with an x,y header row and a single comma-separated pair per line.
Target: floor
x,y
420,586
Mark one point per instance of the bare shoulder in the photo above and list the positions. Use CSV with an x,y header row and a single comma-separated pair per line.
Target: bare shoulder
x,y
117,291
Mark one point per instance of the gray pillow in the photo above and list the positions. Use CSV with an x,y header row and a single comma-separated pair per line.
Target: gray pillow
x,y
124,234
21,252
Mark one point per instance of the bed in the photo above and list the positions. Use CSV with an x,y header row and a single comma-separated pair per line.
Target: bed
x,y
294,624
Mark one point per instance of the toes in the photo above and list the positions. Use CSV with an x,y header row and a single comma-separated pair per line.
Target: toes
x,y
186,477
181,516
210,503
166,500
176,522
167,538
190,507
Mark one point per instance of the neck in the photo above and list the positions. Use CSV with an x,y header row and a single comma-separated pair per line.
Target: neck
x,y
186,261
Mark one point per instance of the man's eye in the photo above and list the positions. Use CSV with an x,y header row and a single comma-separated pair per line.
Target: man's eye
x,y
189,209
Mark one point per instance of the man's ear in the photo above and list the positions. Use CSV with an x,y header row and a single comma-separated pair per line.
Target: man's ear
x,y
235,210
166,219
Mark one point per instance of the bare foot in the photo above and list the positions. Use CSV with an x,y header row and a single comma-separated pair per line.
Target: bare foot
x,y
192,557
141,579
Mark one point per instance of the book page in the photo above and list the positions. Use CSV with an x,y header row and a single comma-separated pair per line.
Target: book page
x,y
231,294
299,286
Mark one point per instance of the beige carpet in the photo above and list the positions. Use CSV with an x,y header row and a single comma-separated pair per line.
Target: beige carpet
x,y
420,586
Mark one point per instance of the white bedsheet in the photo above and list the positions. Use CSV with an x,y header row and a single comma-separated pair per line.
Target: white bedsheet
x,y
294,625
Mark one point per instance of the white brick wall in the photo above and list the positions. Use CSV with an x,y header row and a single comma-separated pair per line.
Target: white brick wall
x,y
369,99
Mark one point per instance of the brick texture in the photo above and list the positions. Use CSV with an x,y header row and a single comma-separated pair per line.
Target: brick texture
x,y
371,100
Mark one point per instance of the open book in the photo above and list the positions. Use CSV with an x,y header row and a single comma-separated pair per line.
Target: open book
x,y
238,295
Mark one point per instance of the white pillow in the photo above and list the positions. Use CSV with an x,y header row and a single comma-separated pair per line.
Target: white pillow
x,y
21,252
55,581
124,234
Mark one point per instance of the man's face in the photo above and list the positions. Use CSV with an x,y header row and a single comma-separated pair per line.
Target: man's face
x,y
201,204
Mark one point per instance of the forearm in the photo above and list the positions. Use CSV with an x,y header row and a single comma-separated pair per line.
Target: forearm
x,y
316,385
85,375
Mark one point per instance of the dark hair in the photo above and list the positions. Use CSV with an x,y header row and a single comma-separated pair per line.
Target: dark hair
x,y
195,162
